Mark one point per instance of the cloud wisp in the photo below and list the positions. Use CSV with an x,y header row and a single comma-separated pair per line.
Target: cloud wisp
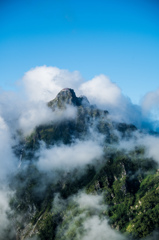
x,y
68,157
90,222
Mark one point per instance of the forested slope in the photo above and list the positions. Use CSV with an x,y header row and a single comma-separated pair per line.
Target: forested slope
x,y
76,181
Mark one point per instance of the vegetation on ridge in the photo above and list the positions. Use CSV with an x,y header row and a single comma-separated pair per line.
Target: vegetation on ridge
x,y
46,203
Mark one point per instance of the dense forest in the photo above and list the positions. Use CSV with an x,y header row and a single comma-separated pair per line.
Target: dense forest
x,y
83,176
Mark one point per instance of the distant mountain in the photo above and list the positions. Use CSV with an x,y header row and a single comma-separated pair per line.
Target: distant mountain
x,y
67,165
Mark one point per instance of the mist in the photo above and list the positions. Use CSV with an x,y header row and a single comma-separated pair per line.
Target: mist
x,y
22,111
91,222
69,157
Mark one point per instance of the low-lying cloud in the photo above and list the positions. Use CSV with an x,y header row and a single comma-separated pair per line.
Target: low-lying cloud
x,y
90,222
67,157
146,141
100,229
8,162
6,232
28,109
39,114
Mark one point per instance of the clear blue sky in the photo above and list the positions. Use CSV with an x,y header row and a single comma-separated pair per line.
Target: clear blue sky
x,y
118,38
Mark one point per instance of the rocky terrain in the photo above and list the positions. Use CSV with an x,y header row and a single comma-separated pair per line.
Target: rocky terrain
x,y
78,178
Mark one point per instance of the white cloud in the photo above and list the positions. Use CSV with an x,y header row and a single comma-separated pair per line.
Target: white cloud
x,y
151,144
69,156
5,195
100,90
150,100
7,159
88,211
150,107
107,95
99,229
43,83
4,206
39,113
95,227
90,201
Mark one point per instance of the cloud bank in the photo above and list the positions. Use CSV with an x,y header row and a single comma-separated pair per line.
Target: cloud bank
x,y
44,83
41,84
27,109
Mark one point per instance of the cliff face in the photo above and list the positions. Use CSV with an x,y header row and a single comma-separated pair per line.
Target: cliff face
x,y
70,164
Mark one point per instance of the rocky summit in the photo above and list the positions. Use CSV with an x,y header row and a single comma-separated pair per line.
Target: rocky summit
x,y
83,177
67,96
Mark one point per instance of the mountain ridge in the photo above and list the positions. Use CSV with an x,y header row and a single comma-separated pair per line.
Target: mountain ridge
x,y
66,163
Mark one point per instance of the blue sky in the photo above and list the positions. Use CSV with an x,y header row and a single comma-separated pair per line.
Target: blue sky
x,y
117,38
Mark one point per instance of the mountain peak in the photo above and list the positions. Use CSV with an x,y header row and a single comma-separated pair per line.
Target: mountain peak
x,y
67,90
67,96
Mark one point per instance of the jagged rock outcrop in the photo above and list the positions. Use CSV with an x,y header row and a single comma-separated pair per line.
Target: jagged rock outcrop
x,y
67,96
